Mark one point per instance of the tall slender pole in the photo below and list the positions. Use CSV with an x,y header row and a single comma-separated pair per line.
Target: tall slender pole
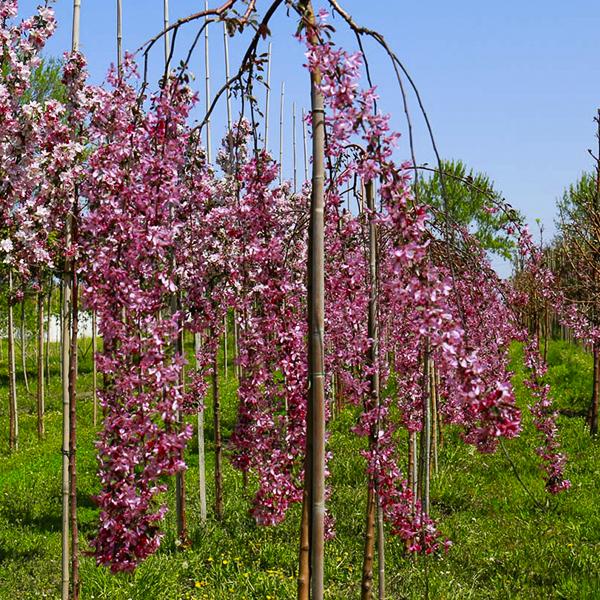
x,y
226,48
66,327
120,37
165,27
207,85
314,484
305,146
268,98
294,147
281,102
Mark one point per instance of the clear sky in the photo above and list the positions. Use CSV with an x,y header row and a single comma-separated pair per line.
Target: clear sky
x,y
511,87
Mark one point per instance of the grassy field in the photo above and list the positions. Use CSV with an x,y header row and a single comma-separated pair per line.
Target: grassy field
x,y
506,545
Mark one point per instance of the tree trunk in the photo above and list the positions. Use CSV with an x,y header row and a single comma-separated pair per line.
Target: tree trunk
x,y
94,368
65,314
218,441
13,435
23,335
180,492
48,318
373,400
596,391
369,548
40,366
201,455
73,424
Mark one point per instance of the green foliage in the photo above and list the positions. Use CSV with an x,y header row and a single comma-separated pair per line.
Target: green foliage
x,y
46,82
504,545
467,195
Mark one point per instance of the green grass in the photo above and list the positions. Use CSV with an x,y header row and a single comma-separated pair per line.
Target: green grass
x,y
505,544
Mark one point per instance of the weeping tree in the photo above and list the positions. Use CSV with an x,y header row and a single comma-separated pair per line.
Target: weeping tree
x,y
578,248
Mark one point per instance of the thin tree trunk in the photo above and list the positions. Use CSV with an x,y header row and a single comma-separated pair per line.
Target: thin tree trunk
x,y
65,320
13,435
218,441
201,454
180,492
48,320
225,348
596,391
73,422
434,418
425,454
94,368
236,345
413,477
380,550
369,548
373,401
40,366
23,335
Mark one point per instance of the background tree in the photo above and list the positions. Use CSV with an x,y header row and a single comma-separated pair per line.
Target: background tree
x,y
467,197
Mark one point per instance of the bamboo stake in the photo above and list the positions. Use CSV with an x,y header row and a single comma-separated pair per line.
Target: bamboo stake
x,y
281,103
65,311
207,85
165,27
305,146
67,299
120,37
268,98
315,450
294,146
226,48
40,366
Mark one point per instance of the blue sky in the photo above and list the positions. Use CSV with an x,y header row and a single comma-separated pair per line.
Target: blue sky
x,y
511,87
